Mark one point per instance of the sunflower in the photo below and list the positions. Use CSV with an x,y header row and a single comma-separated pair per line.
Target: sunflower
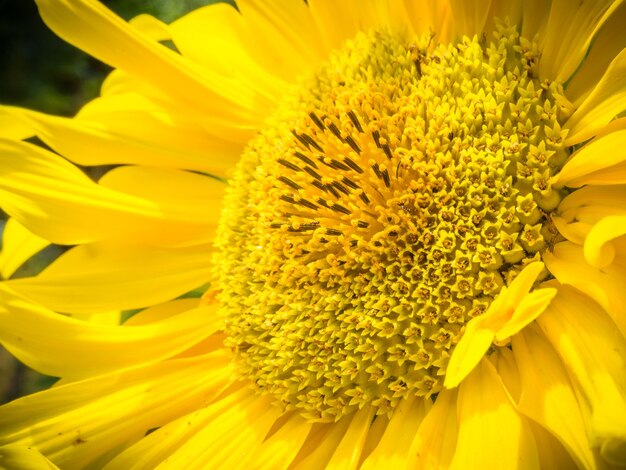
x,y
375,234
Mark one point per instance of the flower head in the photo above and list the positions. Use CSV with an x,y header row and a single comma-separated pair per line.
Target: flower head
x,y
365,234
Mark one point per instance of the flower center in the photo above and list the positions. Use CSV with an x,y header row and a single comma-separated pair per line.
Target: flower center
x,y
387,203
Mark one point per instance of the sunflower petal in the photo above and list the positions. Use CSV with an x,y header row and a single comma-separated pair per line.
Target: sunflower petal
x,y
470,16
547,396
65,347
129,129
393,449
226,438
606,101
580,168
484,410
18,245
73,424
283,36
598,249
38,186
513,309
101,277
280,448
228,103
607,44
434,443
593,352
24,458
569,33
348,452
606,286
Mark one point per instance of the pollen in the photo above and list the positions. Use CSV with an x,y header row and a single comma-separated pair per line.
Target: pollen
x,y
387,202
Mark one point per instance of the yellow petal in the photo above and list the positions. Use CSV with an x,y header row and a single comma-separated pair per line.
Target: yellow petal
x,y
101,277
227,103
512,310
602,153
467,353
598,249
609,42
321,444
39,188
568,35
75,423
430,16
65,347
24,458
11,128
223,47
340,21
552,454
129,129
433,445
155,448
547,396
151,27
393,449
593,352
535,19
280,448
348,452
529,309
606,101
470,17
606,286
491,432
282,36
18,245
225,439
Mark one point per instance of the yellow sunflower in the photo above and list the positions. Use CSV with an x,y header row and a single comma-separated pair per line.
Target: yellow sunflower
x,y
406,219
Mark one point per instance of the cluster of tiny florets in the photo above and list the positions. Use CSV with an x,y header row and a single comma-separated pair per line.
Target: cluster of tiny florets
x,y
386,205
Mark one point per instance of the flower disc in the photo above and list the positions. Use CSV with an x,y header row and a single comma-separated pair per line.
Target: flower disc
x,y
389,200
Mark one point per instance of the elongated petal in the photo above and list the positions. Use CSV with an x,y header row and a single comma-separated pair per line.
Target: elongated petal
x,y
607,44
348,452
433,445
37,186
484,411
280,448
75,423
18,245
470,17
547,395
321,444
97,278
393,449
599,251
227,433
604,103
228,103
290,42
65,347
569,33
514,308
24,458
430,16
129,129
226,30
593,352
606,286
603,153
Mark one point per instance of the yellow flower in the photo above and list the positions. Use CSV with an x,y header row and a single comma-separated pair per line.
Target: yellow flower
x,y
406,220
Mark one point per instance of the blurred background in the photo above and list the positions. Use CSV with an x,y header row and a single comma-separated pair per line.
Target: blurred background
x,y
40,71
